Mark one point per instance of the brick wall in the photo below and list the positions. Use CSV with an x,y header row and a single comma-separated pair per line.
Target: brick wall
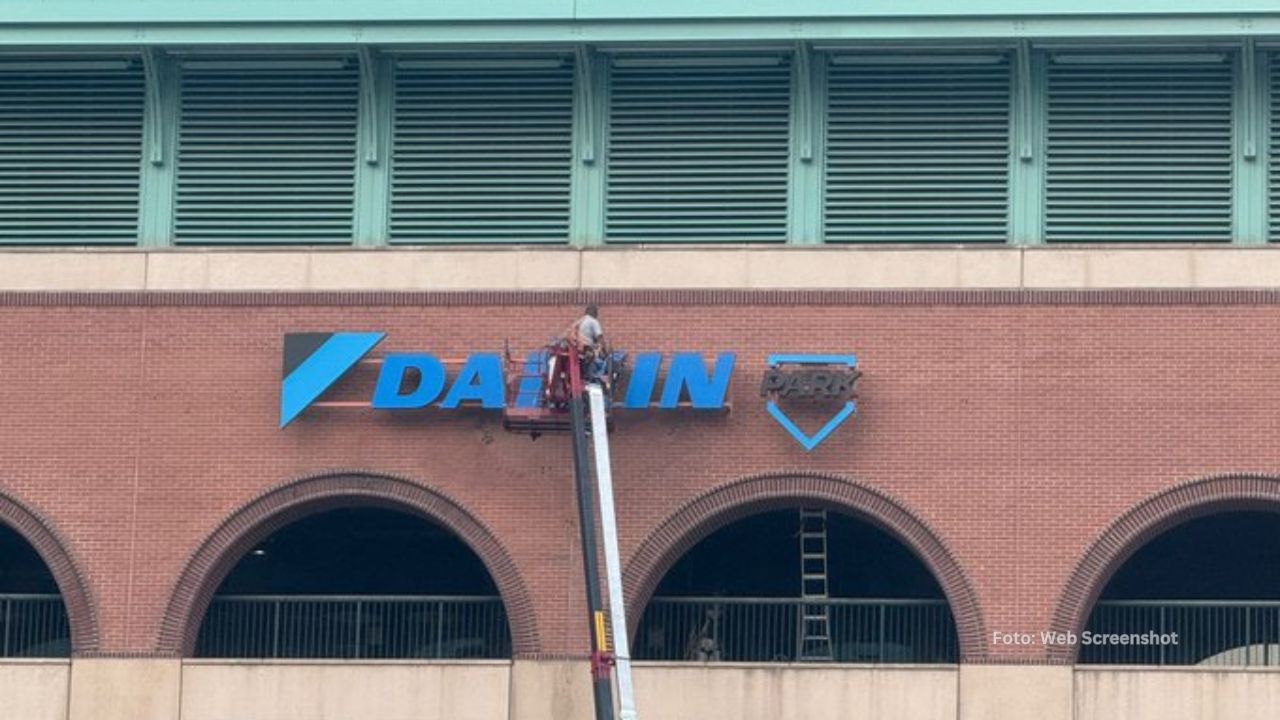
x,y
1016,426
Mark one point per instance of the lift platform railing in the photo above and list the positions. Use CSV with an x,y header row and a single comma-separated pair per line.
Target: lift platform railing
x,y
745,629
354,627
33,625
538,390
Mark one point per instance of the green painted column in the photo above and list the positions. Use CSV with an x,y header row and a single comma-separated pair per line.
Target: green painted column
x,y
590,125
1029,111
372,226
807,173
159,150
1251,147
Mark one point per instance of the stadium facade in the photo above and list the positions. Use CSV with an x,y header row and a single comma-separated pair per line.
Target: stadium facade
x,y
1042,236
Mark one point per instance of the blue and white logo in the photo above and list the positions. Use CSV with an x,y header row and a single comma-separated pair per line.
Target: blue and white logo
x,y
313,362
815,379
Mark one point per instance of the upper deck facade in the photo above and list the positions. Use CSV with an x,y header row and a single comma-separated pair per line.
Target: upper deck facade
x,y
586,124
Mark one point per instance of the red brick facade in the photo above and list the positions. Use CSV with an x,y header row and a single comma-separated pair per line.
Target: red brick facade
x,y
1002,435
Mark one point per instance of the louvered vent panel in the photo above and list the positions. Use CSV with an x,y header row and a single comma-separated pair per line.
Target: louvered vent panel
x,y
1274,130
698,153
482,155
267,152
918,152
1139,152
70,151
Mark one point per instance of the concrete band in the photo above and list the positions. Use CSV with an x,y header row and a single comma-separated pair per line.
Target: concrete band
x,y
639,268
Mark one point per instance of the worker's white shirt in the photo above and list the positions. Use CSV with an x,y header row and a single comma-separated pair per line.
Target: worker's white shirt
x,y
589,330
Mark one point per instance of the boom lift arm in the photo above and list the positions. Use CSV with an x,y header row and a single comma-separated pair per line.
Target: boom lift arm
x,y
562,390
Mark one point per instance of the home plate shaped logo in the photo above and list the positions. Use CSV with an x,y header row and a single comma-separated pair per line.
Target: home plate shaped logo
x,y
815,381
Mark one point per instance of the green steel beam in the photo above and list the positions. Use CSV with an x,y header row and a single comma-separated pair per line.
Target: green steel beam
x,y
373,150
159,151
1249,114
808,152
1027,147
590,148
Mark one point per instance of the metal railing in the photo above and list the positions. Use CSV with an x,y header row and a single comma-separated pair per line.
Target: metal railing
x,y
34,626
871,630
354,627
1182,632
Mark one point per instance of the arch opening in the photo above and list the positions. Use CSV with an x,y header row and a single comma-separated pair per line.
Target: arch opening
x,y
33,616
1205,591
801,584
357,583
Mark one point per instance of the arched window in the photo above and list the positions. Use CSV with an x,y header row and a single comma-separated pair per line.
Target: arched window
x,y
798,585
357,583
1205,592
33,618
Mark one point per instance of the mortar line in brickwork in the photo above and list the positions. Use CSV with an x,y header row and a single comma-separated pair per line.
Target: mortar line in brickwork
x,y
137,480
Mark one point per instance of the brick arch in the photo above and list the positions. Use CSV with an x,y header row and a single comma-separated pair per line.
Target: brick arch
x,y
756,494
1141,524
294,500
82,611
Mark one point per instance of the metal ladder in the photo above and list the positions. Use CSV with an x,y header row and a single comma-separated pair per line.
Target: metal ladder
x,y
814,636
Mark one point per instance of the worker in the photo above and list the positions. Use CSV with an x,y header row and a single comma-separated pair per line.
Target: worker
x,y
587,330
588,334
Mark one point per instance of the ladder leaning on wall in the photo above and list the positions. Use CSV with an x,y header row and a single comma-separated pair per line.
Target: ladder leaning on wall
x,y
813,637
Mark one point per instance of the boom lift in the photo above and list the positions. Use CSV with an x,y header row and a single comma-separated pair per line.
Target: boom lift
x,y
548,393
541,388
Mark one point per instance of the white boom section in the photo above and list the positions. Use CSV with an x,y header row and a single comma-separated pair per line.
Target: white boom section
x,y
612,561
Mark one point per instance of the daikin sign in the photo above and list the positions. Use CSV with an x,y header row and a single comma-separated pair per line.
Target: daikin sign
x,y
314,362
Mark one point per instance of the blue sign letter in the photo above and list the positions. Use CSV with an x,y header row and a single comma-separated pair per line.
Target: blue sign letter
x,y
529,394
386,395
644,375
687,373
480,379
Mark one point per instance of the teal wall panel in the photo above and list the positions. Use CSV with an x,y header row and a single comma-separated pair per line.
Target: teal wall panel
x,y
187,11
62,33
203,11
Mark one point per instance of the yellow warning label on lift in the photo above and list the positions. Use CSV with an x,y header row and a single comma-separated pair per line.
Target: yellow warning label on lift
x,y
602,637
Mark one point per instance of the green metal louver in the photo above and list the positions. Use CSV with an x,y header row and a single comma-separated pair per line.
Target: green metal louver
x,y
267,151
483,150
1139,148
698,149
917,149
1273,130
70,150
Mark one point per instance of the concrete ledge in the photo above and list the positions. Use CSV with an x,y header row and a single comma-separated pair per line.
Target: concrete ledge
x,y
795,692
34,689
124,689
713,268
350,691
1015,692
1175,694
172,689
